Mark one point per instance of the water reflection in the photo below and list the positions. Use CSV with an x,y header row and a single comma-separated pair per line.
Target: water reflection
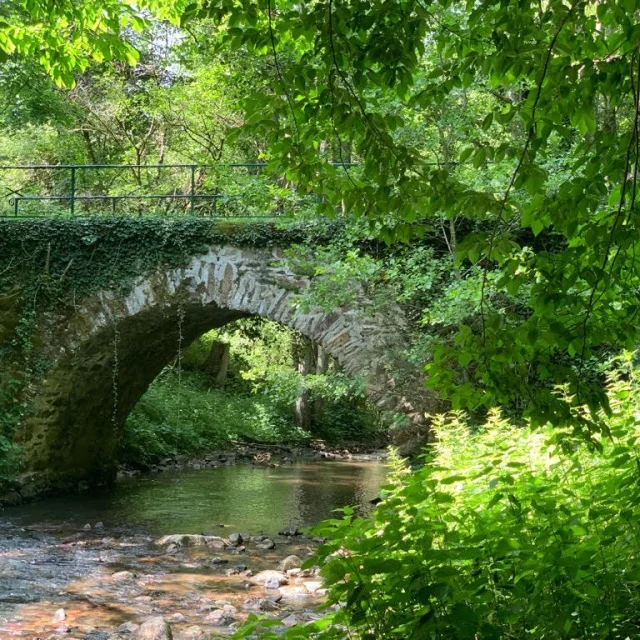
x,y
244,498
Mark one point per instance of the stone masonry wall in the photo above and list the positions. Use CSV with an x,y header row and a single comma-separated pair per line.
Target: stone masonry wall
x,y
113,346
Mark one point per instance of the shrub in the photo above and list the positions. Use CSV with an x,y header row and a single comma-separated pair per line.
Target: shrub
x,y
505,533
181,415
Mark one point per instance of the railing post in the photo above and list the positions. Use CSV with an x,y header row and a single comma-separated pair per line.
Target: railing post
x,y
16,202
193,187
73,190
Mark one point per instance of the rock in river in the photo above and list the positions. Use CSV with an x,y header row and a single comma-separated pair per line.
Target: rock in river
x,y
153,629
236,539
191,540
58,616
290,562
195,633
290,531
222,617
266,545
122,576
270,579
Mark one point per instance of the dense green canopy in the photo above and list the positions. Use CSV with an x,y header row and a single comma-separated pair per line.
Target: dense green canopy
x,y
509,130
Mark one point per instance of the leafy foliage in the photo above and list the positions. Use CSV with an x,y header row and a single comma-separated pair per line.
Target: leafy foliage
x,y
66,36
500,535
186,416
539,172
183,412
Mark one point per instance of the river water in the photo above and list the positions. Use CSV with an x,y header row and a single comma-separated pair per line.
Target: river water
x,y
63,553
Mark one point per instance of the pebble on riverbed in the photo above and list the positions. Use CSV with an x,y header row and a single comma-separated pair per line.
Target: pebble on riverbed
x,y
290,532
222,617
235,539
195,633
122,576
58,616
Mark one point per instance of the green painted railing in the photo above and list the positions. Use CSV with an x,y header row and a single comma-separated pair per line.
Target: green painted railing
x,y
16,198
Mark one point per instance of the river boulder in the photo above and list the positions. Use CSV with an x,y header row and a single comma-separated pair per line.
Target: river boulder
x,y
290,562
290,532
191,540
236,539
270,579
266,545
153,629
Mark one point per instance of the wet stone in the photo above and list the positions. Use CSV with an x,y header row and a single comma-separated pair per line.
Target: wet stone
x,y
127,627
236,569
222,617
97,635
122,576
58,616
312,586
291,562
290,621
153,629
252,604
266,545
236,539
270,579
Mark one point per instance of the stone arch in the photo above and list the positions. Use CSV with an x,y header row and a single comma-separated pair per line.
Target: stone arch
x,y
71,435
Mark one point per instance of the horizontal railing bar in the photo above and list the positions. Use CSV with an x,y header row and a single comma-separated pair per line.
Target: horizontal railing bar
x,y
106,166
215,196
151,166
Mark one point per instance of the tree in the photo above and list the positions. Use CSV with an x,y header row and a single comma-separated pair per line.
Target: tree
x,y
548,201
65,36
303,355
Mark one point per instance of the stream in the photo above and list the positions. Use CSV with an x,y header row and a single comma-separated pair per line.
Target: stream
x,y
90,567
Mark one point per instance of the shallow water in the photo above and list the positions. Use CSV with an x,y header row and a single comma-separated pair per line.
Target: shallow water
x,y
49,561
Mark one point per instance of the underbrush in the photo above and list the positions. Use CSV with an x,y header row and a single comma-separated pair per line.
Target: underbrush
x,y
183,415
505,533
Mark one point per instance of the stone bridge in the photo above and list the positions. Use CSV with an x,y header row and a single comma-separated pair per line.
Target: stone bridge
x,y
104,349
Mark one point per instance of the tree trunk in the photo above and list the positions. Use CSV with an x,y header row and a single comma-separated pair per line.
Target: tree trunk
x,y
304,355
217,362
322,365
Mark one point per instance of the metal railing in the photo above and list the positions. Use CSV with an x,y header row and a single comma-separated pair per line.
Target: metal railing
x,y
74,196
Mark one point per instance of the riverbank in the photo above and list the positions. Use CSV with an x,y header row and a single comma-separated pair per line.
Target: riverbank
x,y
260,454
